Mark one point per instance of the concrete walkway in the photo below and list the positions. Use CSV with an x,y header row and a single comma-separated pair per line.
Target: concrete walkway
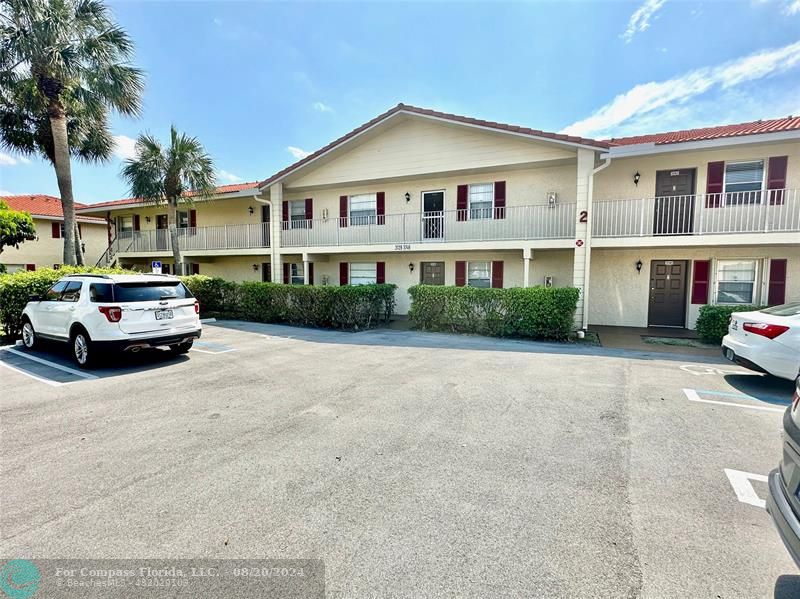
x,y
632,338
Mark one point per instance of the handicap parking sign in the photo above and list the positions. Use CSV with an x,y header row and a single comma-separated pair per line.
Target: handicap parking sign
x,y
156,266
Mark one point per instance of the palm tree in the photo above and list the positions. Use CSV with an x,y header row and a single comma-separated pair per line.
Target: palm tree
x,y
159,174
69,49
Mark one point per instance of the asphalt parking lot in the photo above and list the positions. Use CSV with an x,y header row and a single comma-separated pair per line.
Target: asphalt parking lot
x,y
414,465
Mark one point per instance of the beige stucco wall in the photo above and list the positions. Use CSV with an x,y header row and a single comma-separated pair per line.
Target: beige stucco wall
x,y
616,181
45,251
417,146
619,296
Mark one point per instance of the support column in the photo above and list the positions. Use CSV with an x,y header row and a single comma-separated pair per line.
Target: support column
x,y
527,254
276,195
582,255
305,270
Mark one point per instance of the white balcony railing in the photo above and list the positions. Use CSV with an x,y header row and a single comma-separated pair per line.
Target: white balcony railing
x,y
223,237
492,224
700,214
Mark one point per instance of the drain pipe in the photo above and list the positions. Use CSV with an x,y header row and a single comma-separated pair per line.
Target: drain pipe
x,y
271,240
585,323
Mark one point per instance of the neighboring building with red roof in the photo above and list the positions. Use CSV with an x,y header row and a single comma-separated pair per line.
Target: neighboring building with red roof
x,y
48,249
649,228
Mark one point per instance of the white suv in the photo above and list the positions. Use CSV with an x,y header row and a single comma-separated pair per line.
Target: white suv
x,y
119,312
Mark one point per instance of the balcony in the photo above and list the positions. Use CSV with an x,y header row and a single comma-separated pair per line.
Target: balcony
x,y
223,237
772,211
491,224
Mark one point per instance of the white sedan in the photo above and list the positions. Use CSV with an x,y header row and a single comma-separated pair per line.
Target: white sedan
x,y
765,340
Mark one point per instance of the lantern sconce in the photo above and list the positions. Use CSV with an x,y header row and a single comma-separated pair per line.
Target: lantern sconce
x,y
255,266
410,267
408,197
636,178
147,219
639,266
250,209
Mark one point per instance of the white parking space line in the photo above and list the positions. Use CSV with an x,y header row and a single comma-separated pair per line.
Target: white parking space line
x,y
33,376
700,370
84,375
740,481
692,395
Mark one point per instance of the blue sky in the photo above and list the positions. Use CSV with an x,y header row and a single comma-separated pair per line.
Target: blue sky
x,y
259,82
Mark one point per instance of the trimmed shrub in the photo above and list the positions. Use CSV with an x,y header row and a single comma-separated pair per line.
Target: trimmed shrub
x,y
536,312
712,322
350,307
17,287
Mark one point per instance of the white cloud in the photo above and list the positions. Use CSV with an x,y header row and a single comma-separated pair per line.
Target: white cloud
x,y
9,160
124,147
229,177
322,107
646,98
640,19
5,192
217,21
792,8
298,152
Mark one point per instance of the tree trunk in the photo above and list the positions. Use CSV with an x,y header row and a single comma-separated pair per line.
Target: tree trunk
x,y
58,126
78,246
172,222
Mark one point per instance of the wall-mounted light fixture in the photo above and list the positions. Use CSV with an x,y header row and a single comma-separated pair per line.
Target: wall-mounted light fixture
x,y
255,266
250,209
638,266
410,267
636,178
147,219
83,247
408,197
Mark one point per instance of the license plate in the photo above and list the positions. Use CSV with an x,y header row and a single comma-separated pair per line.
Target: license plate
x,y
164,314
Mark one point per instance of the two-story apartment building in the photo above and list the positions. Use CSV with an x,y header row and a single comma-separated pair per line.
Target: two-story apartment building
x,y
47,250
649,228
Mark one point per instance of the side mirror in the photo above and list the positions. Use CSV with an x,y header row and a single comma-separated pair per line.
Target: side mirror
x,y
34,298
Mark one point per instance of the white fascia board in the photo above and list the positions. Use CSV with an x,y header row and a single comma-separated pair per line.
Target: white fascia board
x,y
246,193
704,144
84,219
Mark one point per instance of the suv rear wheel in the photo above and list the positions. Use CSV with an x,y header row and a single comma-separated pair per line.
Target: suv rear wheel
x,y
181,348
28,334
82,350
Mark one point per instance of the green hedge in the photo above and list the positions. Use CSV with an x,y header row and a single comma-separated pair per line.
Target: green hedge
x,y
712,322
15,288
350,307
537,312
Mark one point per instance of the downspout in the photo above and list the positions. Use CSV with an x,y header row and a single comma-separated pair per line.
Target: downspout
x,y
585,323
271,240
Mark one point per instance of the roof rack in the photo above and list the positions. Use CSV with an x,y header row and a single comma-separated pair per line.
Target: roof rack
x,y
88,274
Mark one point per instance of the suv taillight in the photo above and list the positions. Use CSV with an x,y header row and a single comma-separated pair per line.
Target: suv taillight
x,y
112,313
770,331
196,307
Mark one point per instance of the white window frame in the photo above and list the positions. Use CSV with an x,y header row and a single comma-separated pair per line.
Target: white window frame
x,y
297,215
487,213
366,219
754,298
761,195
489,280
350,277
120,224
296,274
180,216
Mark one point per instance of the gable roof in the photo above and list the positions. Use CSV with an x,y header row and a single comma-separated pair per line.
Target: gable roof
x,y
465,120
44,205
789,123
221,190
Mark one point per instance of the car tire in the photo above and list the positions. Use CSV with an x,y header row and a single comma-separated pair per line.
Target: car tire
x,y
181,348
81,348
29,339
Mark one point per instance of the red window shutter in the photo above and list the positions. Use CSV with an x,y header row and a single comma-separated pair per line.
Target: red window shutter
x,y
30,267
165,269
777,282
380,272
497,274
380,207
776,179
499,199
286,273
285,212
193,218
195,268
700,282
714,178
55,230
310,273
344,273
343,212
461,202
309,211
136,222
461,273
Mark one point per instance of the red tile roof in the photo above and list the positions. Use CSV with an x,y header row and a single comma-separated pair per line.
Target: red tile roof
x,y
44,205
790,123
221,190
441,115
